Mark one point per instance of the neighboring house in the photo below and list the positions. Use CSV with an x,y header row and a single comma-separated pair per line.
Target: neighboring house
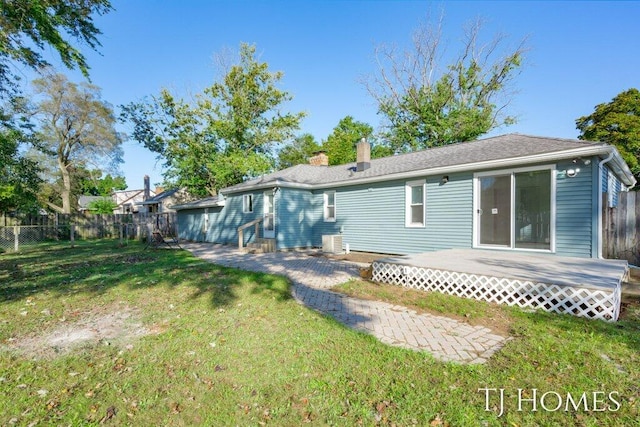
x,y
85,201
511,192
128,200
163,201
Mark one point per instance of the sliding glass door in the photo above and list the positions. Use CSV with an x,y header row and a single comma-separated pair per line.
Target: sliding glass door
x,y
533,210
515,209
495,210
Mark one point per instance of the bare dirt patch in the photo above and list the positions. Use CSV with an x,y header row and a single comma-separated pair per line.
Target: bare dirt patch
x,y
118,326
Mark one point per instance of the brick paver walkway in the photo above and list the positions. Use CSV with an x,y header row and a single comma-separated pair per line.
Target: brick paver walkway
x,y
313,276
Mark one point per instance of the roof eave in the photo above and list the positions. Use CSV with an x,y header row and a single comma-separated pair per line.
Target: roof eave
x,y
268,185
593,150
187,206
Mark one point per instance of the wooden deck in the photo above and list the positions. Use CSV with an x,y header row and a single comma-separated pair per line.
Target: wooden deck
x,y
580,286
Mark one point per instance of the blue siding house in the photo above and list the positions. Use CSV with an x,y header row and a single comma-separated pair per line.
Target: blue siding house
x,y
511,192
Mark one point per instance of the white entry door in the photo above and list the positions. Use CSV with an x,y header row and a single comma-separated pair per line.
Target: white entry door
x,y
268,224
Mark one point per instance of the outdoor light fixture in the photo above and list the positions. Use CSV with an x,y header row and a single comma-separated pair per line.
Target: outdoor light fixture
x,y
572,172
445,179
584,161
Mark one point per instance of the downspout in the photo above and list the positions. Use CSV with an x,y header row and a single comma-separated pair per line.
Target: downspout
x,y
600,229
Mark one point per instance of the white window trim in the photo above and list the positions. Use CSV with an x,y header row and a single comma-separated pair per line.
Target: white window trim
x,y
247,207
326,205
407,204
512,172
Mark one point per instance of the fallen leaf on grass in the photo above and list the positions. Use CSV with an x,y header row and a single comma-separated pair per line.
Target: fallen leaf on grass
x,y
52,404
437,421
175,408
111,412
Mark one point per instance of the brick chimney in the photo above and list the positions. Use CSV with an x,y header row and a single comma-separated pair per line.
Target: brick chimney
x,y
147,187
363,155
320,159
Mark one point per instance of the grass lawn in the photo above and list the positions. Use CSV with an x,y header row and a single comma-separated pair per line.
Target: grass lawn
x,y
122,336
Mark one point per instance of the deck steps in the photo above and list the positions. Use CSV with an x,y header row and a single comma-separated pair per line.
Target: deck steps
x,y
261,246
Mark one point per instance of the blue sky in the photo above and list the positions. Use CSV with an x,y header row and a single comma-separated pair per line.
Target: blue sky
x,y
581,54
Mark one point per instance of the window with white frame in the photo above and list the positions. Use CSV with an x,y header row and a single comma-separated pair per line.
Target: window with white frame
x,y
415,201
329,205
247,203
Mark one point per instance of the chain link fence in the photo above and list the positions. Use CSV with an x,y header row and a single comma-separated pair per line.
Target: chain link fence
x,y
20,237
24,233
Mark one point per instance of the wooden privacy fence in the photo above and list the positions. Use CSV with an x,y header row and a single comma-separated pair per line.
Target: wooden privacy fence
x,y
621,228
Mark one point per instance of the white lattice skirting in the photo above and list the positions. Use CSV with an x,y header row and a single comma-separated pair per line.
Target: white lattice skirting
x,y
583,302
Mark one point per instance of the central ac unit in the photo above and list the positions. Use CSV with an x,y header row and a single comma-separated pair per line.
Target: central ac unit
x,y
332,243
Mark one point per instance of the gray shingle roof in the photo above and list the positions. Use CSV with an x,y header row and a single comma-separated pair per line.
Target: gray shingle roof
x,y
159,197
207,202
510,146
85,201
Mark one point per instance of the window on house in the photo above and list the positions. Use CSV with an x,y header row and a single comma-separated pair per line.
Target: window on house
x,y
330,206
247,203
414,197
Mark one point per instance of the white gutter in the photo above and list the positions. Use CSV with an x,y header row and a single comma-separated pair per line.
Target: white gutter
x,y
600,228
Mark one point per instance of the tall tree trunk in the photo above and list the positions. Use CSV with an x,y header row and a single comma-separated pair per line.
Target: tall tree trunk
x,y
66,187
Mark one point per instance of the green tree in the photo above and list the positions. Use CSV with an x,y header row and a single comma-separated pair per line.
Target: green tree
x,y
77,129
102,206
225,135
341,143
19,180
93,184
425,105
29,26
616,123
298,151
